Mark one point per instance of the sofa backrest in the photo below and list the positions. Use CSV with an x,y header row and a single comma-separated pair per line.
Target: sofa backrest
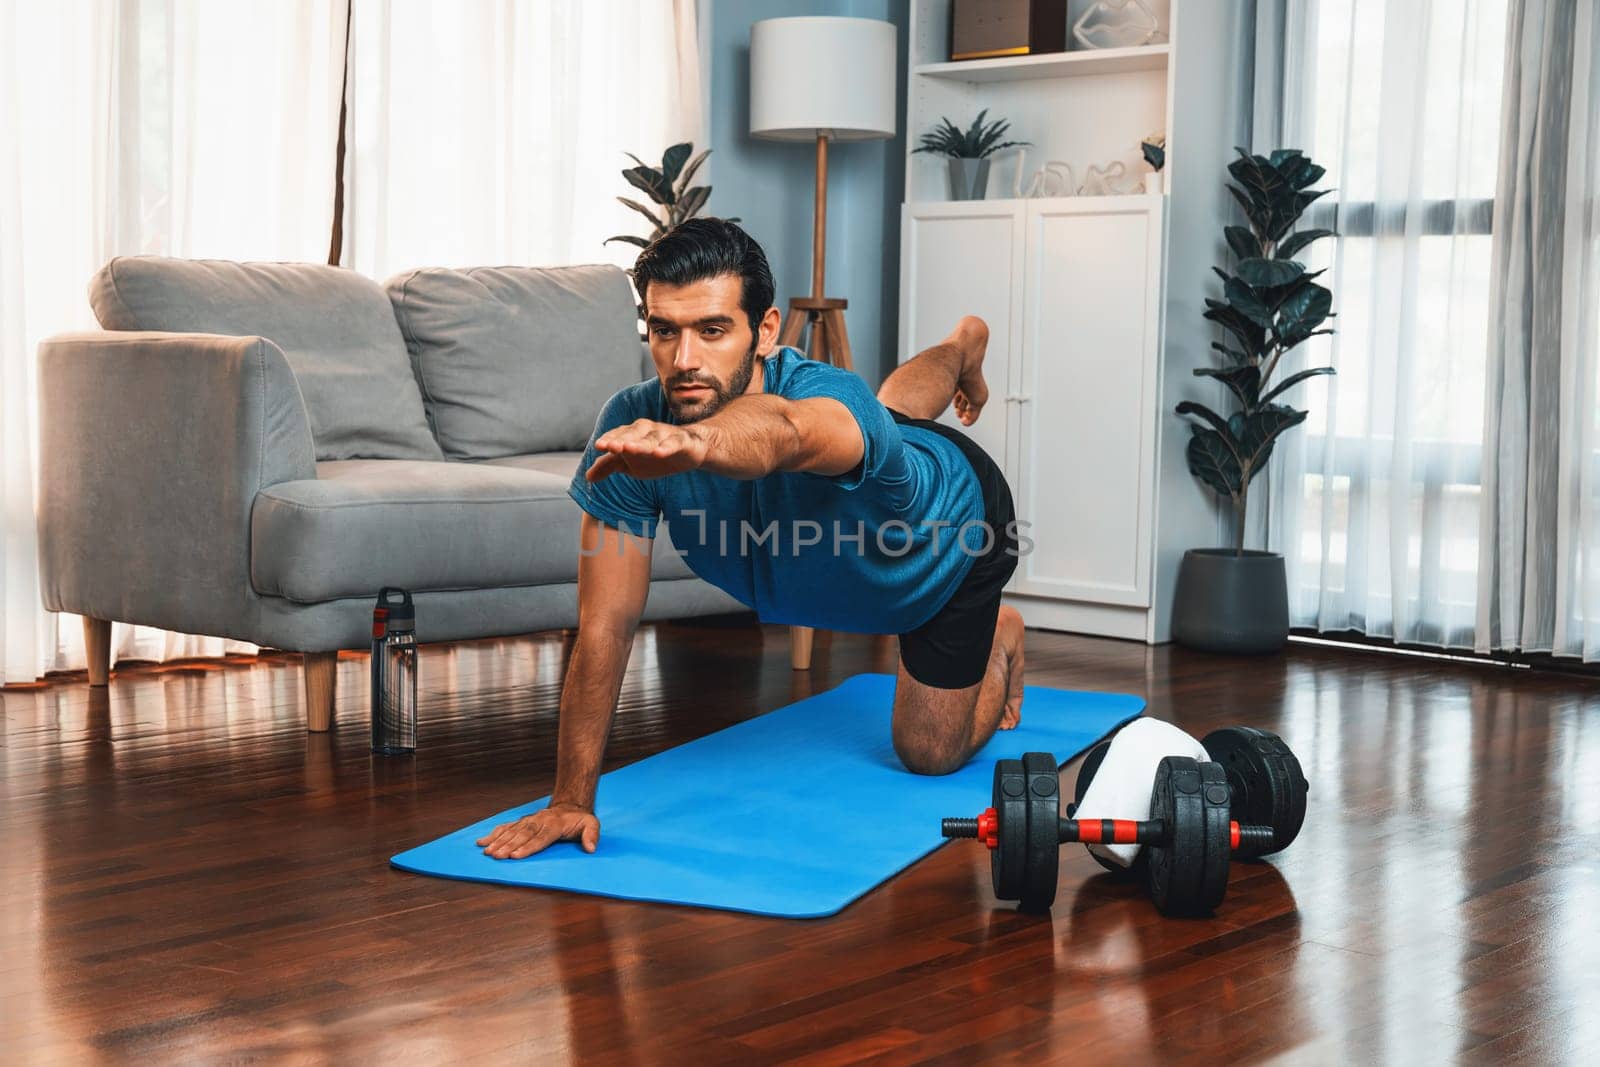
x,y
514,360
335,328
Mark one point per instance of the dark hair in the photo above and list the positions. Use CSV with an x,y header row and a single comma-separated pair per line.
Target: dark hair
x,y
701,248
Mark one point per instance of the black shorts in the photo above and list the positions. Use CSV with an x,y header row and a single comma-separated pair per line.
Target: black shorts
x,y
951,650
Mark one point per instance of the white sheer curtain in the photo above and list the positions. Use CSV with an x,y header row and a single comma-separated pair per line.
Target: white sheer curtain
x,y
1376,505
182,127
1540,586
494,133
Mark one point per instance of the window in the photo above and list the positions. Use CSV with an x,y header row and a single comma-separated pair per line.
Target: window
x,y
1401,104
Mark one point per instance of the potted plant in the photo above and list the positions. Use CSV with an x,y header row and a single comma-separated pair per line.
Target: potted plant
x,y
1233,599
968,152
668,187
1154,149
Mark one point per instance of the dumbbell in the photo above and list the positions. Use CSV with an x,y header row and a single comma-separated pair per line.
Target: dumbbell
x,y
1265,784
1264,779
1187,840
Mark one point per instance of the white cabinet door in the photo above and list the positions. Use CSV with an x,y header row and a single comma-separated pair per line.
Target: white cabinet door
x,y
1086,425
965,258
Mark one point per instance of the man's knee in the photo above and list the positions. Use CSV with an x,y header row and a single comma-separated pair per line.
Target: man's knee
x,y
929,752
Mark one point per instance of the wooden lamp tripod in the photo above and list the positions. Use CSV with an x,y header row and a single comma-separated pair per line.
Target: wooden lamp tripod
x,y
823,78
828,341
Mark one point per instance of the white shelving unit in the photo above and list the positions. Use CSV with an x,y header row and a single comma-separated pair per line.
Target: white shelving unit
x,y
1073,289
1079,107
1054,65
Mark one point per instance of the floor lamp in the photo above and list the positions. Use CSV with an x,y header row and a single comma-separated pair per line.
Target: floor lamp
x,y
821,79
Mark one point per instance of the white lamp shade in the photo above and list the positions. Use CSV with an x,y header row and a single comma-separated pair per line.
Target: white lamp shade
x,y
822,75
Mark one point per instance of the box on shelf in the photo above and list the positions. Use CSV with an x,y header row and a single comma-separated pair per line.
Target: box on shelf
x,y
983,29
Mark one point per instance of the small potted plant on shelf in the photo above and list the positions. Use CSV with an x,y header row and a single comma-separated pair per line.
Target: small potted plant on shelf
x,y
1233,599
1154,148
968,152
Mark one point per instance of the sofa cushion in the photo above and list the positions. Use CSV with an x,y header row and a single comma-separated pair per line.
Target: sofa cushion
x,y
363,524
517,360
335,328
666,562
561,464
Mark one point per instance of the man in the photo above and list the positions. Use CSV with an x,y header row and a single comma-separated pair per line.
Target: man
x,y
787,484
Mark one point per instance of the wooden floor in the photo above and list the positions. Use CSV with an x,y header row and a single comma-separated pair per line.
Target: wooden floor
x,y
187,876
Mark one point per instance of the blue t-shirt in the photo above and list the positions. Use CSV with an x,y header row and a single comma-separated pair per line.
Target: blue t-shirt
x,y
879,549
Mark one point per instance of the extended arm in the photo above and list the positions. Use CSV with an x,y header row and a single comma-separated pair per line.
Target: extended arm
x,y
613,583
751,437
756,435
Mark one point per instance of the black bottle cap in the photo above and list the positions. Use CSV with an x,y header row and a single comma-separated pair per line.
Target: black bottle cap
x,y
402,614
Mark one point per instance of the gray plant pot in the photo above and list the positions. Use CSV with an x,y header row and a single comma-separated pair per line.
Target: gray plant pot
x,y
969,178
1228,603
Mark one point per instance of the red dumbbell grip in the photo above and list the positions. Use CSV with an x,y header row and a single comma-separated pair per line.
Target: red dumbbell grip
x,y
1127,832
986,828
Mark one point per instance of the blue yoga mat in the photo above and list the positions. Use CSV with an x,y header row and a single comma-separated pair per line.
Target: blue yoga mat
x,y
795,813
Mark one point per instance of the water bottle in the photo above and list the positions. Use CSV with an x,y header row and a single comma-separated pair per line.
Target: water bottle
x,y
394,674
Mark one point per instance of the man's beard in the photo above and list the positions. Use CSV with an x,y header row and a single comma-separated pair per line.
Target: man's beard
x,y
695,410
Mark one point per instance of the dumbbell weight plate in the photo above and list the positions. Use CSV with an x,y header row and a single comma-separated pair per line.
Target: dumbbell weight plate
x,y
1218,839
1086,772
1011,809
1268,786
1189,874
1041,865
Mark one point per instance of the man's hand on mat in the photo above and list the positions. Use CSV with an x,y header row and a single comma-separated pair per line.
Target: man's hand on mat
x,y
537,832
647,449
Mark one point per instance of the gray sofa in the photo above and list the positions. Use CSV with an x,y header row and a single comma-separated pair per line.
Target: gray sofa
x,y
251,450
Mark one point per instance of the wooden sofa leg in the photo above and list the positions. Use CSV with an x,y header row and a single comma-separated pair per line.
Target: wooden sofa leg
x,y
800,647
97,643
321,668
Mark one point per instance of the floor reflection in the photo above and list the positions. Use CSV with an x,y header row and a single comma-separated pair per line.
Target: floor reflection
x,y
190,876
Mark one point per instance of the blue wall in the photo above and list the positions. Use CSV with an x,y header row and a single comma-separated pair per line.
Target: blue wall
x,y
770,185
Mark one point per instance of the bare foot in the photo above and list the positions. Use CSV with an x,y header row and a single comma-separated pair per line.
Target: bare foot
x,y
1009,634
971,335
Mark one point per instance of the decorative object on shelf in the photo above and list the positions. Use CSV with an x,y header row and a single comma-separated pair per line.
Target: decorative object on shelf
x,y
969,179
985,29
1017,187
1117,24
1112,179
968,152
1154,148
1231,599
855,101
668,188
1055,178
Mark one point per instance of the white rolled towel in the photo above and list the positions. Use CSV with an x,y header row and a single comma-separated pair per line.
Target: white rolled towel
x,y
1121,787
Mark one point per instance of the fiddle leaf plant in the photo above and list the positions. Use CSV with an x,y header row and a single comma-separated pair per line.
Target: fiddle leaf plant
x,y
668,188
1270,305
